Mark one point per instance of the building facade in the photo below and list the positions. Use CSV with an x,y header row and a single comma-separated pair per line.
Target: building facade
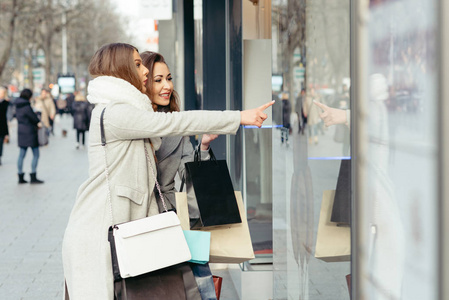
x,y
356,207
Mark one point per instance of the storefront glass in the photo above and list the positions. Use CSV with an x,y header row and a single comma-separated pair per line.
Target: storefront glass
x,y
398,160
311,162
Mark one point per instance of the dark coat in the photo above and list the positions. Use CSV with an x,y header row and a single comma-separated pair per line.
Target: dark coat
x,y
27,120
81,115
3,120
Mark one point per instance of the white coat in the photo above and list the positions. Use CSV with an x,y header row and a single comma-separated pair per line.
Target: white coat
x,y
129,122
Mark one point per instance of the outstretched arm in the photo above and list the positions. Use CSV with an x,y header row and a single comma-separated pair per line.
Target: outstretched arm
x,y
255,116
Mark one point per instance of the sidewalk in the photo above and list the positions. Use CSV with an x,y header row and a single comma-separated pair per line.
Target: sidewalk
x,y
34,217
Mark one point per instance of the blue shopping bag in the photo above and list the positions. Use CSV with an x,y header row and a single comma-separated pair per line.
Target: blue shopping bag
x,y
199,245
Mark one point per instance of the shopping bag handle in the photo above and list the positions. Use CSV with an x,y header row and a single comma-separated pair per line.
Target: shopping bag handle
x,y
197,156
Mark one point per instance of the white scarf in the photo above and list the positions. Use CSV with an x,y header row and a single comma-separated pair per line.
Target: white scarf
x,y
107,89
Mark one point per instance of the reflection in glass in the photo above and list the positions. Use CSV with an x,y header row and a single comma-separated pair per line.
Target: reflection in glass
x,y
398,242
311,53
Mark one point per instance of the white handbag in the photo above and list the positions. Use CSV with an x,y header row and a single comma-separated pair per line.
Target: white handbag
x,y
150,244
147,244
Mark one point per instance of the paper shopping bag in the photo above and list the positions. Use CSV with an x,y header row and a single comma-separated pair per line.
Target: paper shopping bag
x,y
213,189
231,243
333,242
198,241
199,245
182,210
218,281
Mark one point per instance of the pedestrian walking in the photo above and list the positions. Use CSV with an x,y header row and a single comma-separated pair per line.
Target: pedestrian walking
x,y
70,99
81,118
131,127
46,106
4,132
28,123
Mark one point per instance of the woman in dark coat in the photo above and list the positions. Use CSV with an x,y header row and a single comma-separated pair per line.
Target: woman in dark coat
x,y
27,134
4,132
81,118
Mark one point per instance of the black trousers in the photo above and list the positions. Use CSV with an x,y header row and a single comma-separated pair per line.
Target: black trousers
x,y
80,134
2,138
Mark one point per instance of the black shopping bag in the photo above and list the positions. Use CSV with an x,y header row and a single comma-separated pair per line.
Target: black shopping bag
x,y
212,186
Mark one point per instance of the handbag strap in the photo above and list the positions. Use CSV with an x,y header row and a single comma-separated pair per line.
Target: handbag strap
x,y
155,179
103,144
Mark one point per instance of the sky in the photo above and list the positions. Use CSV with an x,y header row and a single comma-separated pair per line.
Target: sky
x,y
141,28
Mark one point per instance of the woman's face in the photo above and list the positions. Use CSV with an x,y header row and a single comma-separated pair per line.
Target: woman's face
x,y
162,85
141,70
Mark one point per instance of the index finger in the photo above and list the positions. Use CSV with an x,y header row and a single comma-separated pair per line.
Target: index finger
x,y
266,105
320,105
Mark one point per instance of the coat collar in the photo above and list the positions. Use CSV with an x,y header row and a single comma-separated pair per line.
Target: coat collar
x,y
109,89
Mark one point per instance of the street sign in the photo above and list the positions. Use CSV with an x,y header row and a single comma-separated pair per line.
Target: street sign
x,y
38,76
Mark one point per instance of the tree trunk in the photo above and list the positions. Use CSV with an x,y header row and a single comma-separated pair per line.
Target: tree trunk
x,y
29,60
48,58
9,42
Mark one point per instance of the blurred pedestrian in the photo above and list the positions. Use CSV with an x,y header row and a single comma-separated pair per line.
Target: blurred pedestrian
x,y
28,123
46,106
61,105
299,109
4,132
81,118
70,99
312,114
132,129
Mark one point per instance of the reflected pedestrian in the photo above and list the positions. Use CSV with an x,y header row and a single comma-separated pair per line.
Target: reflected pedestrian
x,y
28,123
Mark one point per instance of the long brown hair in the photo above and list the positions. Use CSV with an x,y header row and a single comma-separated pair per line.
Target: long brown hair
x,y
116,60
149,59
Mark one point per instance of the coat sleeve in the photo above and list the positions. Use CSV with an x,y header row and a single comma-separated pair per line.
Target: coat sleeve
x,y
186,156
51,109
124,122
31,115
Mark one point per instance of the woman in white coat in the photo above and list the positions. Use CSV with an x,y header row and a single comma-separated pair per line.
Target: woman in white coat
x,y
130,125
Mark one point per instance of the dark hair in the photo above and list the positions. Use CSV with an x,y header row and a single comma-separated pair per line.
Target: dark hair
x,y
149,59
116,60
26,94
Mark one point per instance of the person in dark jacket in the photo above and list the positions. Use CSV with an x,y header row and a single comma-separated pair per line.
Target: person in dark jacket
x,y
4,133
28,123
81,118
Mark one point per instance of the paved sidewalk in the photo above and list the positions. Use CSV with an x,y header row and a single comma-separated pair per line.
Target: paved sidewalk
x,y
34,217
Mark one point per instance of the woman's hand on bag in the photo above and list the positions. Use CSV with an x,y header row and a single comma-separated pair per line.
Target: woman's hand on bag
x,y
255,116
206,139
39,125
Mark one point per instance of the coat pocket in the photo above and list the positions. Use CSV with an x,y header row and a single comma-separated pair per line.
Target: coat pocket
x,y
130,193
